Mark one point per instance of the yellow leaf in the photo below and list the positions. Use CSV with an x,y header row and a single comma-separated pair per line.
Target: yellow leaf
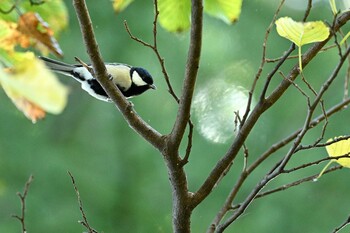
x,y
32,87
120,5
336,149
9,36
226,10
339,148
301,33
174,15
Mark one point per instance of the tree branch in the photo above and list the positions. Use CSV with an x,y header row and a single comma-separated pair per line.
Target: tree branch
x,y
85,221
279,167
192,65
262,63
23,197
260,108
139,125
290,185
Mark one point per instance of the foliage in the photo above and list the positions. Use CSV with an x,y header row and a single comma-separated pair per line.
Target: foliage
x,y
277,129
33,89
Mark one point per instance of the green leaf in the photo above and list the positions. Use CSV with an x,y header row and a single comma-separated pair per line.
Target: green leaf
x,y
120,5
301,33
333,6
174,15
226,10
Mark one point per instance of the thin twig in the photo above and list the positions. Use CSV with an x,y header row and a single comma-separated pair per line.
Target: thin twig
x,y
189,144
272,60
86,66
298,88
342,226
85,221
23,197
290,185
262,63
308,10
277,170
14,6
298,182
36,3
155,49
338,139
308,84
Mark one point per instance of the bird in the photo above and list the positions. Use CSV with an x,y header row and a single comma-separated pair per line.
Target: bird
x,y
131,81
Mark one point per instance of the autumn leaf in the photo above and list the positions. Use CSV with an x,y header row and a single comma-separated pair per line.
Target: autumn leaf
x,y
32,87
54,12
32,25
301,33
9,36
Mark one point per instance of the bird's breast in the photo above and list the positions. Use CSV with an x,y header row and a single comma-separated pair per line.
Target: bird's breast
x,y
120,75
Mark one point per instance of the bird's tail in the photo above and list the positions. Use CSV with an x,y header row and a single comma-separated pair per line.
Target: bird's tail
x,y
58,66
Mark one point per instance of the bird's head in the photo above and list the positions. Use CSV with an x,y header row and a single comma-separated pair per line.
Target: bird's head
x,y
140,77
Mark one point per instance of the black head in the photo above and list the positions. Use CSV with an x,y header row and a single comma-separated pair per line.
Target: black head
x,y
141,77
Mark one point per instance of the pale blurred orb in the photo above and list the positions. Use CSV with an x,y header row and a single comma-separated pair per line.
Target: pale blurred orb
x,y
214,107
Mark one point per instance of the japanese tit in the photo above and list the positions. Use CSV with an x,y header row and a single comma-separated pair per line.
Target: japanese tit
x,y
131,81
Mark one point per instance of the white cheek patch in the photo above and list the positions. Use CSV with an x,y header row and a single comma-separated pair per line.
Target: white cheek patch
x,y
137,80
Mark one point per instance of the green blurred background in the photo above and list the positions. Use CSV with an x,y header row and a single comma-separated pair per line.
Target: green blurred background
x,y
123,180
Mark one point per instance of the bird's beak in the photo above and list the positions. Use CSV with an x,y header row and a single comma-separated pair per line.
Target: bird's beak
x,y
153,87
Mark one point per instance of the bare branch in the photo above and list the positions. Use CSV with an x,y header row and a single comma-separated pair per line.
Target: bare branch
x,y
154,47
126,108
262,63
342,226
271,60
227,205
262,106
192,65
308,10
323,144
296,183
279,168
290,185
189,144
23,197
85,221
